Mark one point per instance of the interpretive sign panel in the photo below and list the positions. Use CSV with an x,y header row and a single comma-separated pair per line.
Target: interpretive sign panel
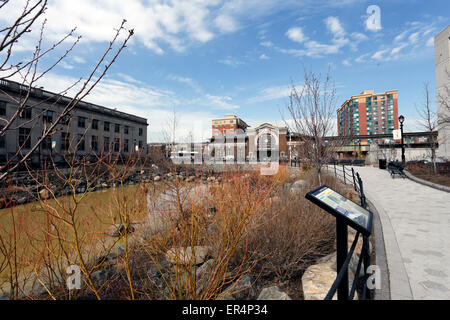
x,y
341,207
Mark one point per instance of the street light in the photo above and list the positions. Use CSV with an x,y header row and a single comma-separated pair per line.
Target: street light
x,y
401,119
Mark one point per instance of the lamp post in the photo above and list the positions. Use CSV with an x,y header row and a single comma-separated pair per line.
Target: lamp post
x,y
401,119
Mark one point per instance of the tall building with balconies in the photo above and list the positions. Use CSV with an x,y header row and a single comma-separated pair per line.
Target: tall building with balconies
x,y
368,113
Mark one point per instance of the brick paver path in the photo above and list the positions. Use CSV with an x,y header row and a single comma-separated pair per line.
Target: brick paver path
x,y
420,220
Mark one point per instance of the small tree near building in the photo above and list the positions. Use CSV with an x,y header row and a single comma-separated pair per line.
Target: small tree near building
x,y
428,121
312,109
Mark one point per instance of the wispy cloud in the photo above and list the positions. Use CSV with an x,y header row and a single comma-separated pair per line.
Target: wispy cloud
x,y
271,93
230,61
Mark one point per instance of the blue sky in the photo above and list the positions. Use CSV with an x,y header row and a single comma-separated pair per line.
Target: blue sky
x,y
208,58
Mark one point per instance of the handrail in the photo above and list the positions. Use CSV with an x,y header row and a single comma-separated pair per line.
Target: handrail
x,y
343,270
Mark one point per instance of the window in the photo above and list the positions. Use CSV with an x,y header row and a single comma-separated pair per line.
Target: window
x,y
2,140
140,132
117,128
80,142
116,145
125,130
106,126
24,138
47,143
2,108
94,143
65,119
65,140
47,116
25,113
125,146
106,144
95,124
140,144
81,122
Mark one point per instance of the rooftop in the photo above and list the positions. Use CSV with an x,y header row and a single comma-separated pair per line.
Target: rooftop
x,y
39,93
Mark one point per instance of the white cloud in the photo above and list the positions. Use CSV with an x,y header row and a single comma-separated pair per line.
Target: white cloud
x,y
413,37
396,50
221,102
296,34
264,57
65,65
78,59
430,42
266,44
334,26
401,36
379,54
225,23
361,58
230,61
346,62
271,93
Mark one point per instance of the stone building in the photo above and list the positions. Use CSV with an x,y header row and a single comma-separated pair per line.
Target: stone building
x,y
98,129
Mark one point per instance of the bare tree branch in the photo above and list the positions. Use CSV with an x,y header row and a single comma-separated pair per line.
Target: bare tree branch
x,y
29,73
312,108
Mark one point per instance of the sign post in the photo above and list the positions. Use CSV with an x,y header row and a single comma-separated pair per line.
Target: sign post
x,y
347,213
341,254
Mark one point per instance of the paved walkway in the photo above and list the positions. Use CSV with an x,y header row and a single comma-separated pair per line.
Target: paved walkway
x,y
416,228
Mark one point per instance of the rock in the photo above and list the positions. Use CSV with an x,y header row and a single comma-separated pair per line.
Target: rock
x,y
203,274
119,230
273,293
101,276
157,178
190,179
240,290
185,255
318,279
44,194
211,179
299,184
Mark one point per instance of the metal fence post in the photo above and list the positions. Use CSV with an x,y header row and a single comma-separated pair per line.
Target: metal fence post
x,y
343,170
335,174
354,181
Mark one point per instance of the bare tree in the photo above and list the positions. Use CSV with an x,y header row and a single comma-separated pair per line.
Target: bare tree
x,y
169,131
30,71
429,121
312,109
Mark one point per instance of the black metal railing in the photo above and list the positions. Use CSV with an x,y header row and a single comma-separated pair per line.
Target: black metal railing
x,y
341,285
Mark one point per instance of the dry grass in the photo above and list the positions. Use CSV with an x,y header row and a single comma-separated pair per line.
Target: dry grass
x,y
250,224
425,172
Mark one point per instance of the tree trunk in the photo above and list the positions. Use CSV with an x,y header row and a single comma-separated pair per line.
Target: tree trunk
x,y
433,158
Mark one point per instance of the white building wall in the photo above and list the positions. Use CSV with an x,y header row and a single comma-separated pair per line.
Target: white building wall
x,y
442,64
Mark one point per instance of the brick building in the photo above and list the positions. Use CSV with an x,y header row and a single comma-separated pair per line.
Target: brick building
x,y
368,113
227,125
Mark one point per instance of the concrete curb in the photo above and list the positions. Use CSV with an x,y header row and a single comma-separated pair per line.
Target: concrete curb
x,y
399,287
426,183
380,255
